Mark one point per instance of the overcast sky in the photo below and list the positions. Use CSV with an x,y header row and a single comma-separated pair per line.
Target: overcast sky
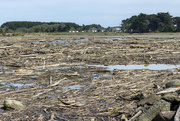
x,y
104,12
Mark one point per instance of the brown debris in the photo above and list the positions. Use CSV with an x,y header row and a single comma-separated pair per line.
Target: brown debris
x,y
38,72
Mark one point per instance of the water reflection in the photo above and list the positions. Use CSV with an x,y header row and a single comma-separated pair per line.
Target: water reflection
x,y
59,41
80,40
78,87
3,67
116,39
17,85
151,39
133,67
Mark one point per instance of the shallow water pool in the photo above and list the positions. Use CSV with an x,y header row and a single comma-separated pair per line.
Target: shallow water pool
x,y
133,67
78,87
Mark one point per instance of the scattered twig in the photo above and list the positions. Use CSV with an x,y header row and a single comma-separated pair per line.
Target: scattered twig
x,y
136,115
124,98
68,104
50,80
61,118
128,104
52,85
52,117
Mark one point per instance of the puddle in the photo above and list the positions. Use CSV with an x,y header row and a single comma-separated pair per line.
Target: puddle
x,y
101,75
34,77
35,42
133,67
59,41
9,72
103,103
3,67
65,41
80,40
2,109
78,87
17,85
151,39
116,39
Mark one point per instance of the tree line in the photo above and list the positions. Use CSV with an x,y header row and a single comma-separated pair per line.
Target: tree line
x,y
30,27
160,22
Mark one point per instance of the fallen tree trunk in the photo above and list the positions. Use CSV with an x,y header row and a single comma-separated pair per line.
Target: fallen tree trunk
x,y
177,116
149,114
169,90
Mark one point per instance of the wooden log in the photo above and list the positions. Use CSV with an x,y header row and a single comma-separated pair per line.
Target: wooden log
x,y
68,104
150,114
169,90
136,115
165,116
177,115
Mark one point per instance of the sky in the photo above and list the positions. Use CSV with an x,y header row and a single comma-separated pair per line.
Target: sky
x,y
103,12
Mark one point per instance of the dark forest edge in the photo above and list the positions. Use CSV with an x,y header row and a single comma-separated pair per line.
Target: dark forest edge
x,y
142,23
160,22
35,27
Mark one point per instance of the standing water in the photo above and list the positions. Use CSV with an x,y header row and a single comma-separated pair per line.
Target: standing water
x,y
133,67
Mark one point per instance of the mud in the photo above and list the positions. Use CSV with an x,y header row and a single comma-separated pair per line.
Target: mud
x,y
79,77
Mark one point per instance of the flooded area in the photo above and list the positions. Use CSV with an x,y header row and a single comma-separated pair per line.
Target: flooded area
x,y
75,87
64,77
133,67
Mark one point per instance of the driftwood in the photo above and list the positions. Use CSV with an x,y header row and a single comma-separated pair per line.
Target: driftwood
x,y
43,62
177,115
169,90
55,84
149,115
165,116
71,75
136,115
124,98
68,104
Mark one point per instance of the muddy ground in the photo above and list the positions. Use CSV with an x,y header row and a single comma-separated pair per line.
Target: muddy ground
x,y
69,77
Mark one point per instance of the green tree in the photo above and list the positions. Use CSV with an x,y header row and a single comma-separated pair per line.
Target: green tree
x,y
153,22
143,23
22,30
138,24
1,30
160,22
176,21
18,26
166,22
125,26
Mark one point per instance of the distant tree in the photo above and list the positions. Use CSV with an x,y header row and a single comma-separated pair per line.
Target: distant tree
x,y
1,30
38,26
125,26
143,23
136,24
166,22
22,30
109,29
92,26
176,21
160,22
154,22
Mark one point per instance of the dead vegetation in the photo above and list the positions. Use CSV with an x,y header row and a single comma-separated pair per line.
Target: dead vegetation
x,y
57,82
